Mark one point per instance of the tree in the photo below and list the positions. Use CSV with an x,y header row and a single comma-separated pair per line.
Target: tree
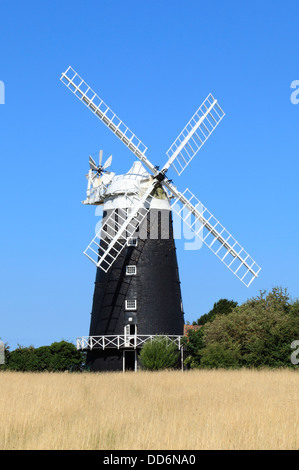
x,y
194,341
257,333
58,356
218,356
23,359
222,307
64,356
159,354
193,345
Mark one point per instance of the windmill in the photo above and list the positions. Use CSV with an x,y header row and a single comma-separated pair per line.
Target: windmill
x,y
98,178
148,298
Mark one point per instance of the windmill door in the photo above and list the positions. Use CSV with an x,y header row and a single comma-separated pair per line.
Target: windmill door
x,y
130,332
130,360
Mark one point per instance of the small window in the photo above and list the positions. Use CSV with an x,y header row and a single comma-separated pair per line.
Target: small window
x,y
131,304
132,241
131,270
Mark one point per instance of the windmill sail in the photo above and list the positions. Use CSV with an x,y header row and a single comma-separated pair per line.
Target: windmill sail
x,y
194,134
119,227
109,242
85,94
107,163
214,235
92,164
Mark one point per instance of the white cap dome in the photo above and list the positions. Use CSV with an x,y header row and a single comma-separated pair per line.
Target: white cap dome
x,y
124,190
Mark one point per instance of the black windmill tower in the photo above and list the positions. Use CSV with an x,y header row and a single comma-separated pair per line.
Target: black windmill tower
x,y
137,293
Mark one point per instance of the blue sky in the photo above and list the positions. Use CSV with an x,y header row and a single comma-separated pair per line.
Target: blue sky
x,y
153,62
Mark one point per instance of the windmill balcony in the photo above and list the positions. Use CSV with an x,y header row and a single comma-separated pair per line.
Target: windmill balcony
x,y
123,341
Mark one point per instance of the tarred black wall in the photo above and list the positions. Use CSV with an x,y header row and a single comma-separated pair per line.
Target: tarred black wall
x,y
156,288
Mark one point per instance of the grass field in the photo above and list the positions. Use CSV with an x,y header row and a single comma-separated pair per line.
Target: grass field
x,y
150,411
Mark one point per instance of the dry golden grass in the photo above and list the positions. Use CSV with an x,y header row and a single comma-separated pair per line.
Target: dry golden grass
x,y
150,411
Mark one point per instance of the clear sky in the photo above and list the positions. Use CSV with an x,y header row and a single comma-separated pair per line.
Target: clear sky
x,y
153,62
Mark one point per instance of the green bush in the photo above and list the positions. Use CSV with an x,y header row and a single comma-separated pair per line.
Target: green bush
x,y
193,346
159,354
59,356
216,356
258,333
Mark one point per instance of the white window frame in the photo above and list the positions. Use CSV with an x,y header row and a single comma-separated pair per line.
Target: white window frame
x,y
130,304
132,241
131,270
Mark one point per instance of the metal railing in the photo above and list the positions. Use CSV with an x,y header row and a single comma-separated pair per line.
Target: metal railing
x,y
123,341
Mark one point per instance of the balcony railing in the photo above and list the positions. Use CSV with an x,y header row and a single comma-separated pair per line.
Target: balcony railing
x,y
123,341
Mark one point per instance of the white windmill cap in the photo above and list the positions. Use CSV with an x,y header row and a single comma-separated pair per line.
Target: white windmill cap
x,y
130,184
